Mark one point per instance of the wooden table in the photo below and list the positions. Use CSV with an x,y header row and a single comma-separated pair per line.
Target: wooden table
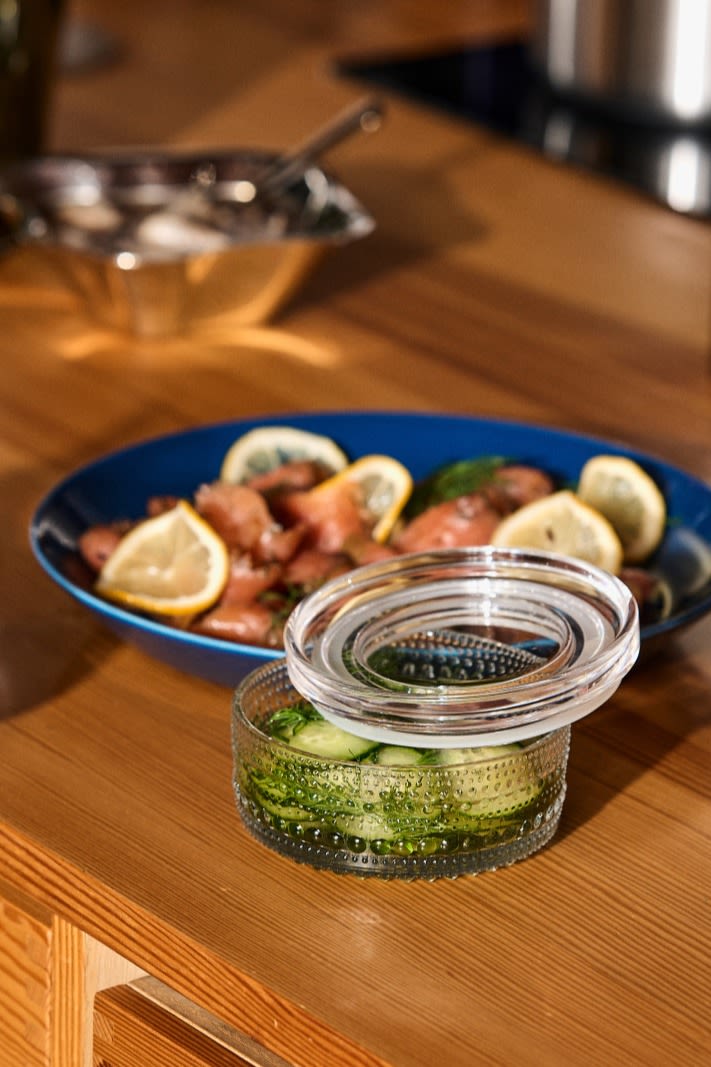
x,y
496,284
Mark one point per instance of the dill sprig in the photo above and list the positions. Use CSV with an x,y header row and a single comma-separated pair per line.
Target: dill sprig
x,y
453,480
288,721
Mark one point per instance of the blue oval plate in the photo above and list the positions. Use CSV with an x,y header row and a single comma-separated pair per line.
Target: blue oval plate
x,y
118,486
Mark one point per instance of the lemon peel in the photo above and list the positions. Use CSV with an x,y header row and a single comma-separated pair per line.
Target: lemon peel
x,y
173,564
385,485
266,447
564,524
631,501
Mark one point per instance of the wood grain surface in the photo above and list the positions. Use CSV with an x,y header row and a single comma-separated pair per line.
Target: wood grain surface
x,y
496,284
42,1013
148,1022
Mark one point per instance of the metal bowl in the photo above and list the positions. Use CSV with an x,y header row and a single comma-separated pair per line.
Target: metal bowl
x,y
152,242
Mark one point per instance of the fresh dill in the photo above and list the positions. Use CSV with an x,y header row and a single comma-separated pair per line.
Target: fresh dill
x,y
454,480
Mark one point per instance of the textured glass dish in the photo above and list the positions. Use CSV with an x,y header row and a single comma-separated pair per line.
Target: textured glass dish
x,y
455,676
427,821
469,646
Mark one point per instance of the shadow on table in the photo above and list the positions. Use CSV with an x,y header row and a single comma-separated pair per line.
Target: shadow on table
x,y
620,742
429,217
46,640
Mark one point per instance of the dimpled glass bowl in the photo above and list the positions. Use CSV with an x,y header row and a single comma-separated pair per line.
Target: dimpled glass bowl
x,y
455,675
427,821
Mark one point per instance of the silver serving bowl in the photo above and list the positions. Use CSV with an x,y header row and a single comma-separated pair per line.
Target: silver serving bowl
x,y
153,242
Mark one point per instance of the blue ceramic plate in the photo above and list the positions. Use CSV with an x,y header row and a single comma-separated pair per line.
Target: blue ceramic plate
x,y
118,485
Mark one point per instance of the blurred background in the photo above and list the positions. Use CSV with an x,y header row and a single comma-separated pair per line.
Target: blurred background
x,y
617,88
621,87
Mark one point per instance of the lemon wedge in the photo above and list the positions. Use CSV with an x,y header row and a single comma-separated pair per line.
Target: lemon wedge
x,y
385,485
562,523
173,564
265,448
629,499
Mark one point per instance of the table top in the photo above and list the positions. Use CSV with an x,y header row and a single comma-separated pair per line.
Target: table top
x,y
496,284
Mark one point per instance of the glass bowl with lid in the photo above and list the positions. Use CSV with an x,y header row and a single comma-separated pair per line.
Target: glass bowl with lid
x,y
419,725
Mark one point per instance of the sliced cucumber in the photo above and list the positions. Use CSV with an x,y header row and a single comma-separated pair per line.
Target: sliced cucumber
x,y
368,826
324,739
302,727
422,799
449,756
399,756
481,792
282,810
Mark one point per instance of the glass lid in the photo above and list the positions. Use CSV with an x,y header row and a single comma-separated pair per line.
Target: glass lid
x,y
463,647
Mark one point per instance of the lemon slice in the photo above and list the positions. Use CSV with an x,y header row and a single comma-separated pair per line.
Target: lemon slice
x,y
173,564
630,499
562,523
385,486
263,449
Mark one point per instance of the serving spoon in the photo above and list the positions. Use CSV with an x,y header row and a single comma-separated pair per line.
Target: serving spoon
x,y
274,178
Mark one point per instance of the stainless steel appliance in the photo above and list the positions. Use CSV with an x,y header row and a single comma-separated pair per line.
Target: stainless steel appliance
x,y
648,59
502,87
